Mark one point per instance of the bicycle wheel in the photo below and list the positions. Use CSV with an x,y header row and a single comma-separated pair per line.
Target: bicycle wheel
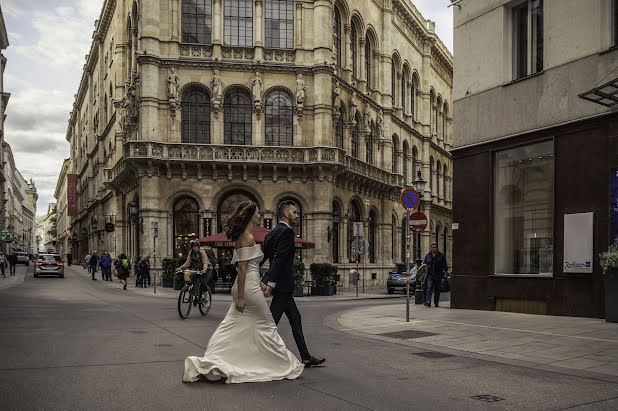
x,y
203,309
185,300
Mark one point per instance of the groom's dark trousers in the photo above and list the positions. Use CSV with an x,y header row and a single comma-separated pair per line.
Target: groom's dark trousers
x,y
279,249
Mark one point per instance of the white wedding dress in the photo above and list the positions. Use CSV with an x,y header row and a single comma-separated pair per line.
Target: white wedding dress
x,y
246,347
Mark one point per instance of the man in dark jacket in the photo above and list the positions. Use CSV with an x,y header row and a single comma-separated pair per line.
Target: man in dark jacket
x,y
94,261
279,249
12,263
437,268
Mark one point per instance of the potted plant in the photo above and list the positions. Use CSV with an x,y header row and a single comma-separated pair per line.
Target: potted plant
x,y
168,268
609,263
326,277
299,278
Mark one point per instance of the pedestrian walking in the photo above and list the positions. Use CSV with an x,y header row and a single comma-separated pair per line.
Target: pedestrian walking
x,y
92,263
123,267
106,267
69,259
12,263
2,263
140,275
87,260
146,270
437,268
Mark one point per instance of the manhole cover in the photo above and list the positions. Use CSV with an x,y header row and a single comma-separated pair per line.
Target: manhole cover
x,y
138,332
406,335
487,398
432,354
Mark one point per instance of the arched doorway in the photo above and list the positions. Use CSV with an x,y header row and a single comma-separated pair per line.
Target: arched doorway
x,y
354,217
185,224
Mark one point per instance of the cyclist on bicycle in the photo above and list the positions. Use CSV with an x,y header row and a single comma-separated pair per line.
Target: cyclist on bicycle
x,y
198,260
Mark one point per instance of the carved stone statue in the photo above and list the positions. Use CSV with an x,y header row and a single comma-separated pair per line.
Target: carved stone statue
x,y
380,124
217,87
172,84
300,90
353,107
367,119
257,88
337,93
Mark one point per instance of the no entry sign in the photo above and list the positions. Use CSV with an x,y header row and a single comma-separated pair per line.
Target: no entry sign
x,y
418,222
410,199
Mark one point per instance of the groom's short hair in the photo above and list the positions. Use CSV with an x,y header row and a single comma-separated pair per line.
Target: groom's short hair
x,y
284,206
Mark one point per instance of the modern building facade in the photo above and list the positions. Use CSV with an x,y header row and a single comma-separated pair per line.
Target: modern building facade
x,y
187,107
535,150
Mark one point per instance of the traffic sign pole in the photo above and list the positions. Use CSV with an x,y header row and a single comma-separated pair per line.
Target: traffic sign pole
x,y
407,267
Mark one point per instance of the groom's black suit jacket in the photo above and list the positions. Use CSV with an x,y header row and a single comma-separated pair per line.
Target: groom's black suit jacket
x,y
279,250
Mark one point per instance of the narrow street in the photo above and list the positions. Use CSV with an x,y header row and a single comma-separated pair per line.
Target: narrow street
x,y
74,343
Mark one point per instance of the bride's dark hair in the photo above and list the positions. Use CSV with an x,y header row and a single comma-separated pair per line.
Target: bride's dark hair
x,y
238,221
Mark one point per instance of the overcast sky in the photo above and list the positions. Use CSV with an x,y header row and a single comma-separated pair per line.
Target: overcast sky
x,y
48,42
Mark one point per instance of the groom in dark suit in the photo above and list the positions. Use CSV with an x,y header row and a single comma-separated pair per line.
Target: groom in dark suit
x,y
279,249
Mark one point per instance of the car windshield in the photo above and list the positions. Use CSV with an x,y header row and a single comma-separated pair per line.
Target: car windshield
x,y
399,268
49,258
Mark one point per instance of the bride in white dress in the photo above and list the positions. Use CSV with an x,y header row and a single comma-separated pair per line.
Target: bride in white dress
x,y
246,346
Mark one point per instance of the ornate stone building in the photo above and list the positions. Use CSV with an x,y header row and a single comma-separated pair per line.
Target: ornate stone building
x,y
187,107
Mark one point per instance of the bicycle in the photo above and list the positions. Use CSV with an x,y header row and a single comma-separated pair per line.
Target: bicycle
x,y
190,295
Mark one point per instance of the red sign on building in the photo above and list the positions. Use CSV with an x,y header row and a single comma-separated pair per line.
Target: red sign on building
x,y
72,195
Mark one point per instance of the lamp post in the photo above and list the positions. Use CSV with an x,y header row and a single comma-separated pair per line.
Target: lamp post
x,y
133,210
419,184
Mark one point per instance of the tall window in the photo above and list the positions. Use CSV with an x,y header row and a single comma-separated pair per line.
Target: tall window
x,y
186,224
337,35
393,236
354,49
279,119
406,155
339,129
430,177
195,116
368,61
394,158
237,117
615,22
444,184
238,24
369,146
445,240
373,221
527,22
393,84
354,218
279,24
414,160
432,104
404,80
524,209
438,171
196,21
336,217
412,96
355,133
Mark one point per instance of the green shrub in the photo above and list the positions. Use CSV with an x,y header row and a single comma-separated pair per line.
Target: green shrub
x,y
299,271
169,267
324,274
609,259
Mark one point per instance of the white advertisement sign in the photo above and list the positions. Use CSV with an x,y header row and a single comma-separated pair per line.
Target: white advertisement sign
x,y
578,243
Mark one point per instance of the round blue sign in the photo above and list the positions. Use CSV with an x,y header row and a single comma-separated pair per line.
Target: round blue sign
x,y
410,199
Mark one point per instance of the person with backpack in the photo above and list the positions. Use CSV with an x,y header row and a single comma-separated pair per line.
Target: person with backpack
x,y
123,267
92,263
142,268
106,267
2,263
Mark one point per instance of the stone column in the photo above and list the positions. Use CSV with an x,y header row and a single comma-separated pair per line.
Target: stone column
x,y
298,24
258,30
323,119
346,45
323,31
387,46
217,28
361,61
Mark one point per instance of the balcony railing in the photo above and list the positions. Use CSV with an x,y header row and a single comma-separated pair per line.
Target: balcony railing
x,y
225,154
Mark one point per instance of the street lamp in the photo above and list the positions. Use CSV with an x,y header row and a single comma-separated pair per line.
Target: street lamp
x,y
335,222
133,210
419,184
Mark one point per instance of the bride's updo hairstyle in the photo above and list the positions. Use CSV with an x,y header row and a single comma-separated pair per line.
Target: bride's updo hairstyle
x,y
239,220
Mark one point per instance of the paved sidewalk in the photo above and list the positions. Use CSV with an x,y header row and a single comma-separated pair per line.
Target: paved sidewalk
x,y
572,345
13,280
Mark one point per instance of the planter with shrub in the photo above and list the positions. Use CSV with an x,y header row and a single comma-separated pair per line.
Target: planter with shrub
x,y
609,263
168,268
299,279
326,277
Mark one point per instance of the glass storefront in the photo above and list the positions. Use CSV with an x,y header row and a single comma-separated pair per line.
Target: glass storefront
x,y
524,209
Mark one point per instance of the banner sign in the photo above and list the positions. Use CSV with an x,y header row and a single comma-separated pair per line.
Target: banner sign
x,y
72,195
578,243
613,207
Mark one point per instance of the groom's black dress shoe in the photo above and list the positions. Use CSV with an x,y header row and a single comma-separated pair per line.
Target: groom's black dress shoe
x,y
313,361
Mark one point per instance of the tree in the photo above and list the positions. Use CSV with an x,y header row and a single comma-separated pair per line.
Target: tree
x,y
53,231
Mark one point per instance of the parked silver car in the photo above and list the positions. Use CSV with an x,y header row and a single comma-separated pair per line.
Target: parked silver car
x,y
23,258
49,264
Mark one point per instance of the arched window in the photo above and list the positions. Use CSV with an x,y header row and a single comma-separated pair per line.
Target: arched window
x,y
196,21
186,224
438,172
355,134
395,149
238,24
445,123
414,162
368,61
432,104
444,184
369,145
336,221
237,117
337,35
355,217
339,128
406,155
404,82
373,221
393,237
413,96
437,115
228,204
279,119
430,177
354,49
279,24
105,118
195,116
393,83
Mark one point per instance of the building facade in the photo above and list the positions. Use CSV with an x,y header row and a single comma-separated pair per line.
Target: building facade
x,y
535,148
63,220
188,107
4,100
49,241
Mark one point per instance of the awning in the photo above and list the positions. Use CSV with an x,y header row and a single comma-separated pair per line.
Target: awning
x,y
606,94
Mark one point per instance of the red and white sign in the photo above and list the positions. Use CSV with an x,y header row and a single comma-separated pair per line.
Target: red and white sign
x,y
418,222
72,195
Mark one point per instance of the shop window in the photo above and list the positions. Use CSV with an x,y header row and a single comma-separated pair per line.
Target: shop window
x,y
186,225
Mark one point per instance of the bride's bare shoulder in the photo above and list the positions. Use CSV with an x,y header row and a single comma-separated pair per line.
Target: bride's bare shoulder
x,y
245,240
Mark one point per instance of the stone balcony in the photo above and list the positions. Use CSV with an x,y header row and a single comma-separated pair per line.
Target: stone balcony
x,y
135,152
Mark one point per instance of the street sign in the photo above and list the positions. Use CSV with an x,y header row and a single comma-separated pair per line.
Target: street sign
x,y
358,229
418,222
410,199
5,236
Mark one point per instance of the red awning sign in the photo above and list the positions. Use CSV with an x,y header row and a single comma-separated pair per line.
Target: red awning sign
x,y
418,222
